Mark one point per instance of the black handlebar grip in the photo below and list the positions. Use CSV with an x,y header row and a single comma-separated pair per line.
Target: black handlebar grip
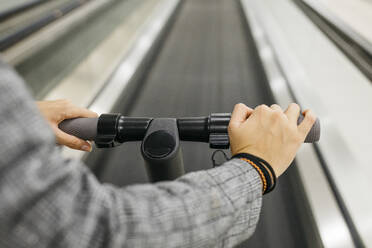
x,y
83,128
314,134
86,128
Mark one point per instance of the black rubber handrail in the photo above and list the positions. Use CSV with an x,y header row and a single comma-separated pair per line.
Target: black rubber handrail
x,y
352,44
24,32
18,9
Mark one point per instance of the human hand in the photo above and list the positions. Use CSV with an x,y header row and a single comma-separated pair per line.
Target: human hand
x,y
269,133
59,110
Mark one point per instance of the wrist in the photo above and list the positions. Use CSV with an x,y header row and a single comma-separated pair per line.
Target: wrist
x,y
263,168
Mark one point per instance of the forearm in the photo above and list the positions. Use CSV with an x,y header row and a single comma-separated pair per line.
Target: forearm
x,y
47,201
69,208
217,207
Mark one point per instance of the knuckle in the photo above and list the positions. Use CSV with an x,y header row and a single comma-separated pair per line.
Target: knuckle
x,y
239,106
275,105
262,108
277,115
258,107
294,105
63,115
311,117
74,143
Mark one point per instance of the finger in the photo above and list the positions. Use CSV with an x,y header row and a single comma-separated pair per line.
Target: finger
x,y
307,123
240,113
72,141
276,107
262,108
75,112
293,112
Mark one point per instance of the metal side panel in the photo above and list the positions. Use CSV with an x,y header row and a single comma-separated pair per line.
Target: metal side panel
x,y
320,76
352,43
106,100
338,13
93,72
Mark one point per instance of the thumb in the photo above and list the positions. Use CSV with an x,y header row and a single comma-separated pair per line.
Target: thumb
x,y
240,114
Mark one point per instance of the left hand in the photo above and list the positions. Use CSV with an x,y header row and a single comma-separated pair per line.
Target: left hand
x,y
59,110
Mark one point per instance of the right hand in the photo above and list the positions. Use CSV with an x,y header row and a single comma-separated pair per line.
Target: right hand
x,y
269,133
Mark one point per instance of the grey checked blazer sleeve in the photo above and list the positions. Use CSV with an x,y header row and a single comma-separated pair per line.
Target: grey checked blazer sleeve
x,y
47,201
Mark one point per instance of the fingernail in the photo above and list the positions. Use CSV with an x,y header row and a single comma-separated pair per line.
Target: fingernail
x,y
86,148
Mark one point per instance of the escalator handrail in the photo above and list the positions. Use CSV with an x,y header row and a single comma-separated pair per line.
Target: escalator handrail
x,y
355,46
24,32
18,9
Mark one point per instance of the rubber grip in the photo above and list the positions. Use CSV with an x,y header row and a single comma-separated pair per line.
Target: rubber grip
x,y
314,134
83,128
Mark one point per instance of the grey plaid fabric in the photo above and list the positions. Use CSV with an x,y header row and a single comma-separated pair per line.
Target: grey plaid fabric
x,y
47,201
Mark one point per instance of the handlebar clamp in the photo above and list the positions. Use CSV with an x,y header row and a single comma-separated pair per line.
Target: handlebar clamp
x,y
218,137
107,129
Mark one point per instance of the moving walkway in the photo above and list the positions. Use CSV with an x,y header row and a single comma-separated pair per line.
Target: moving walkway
x,y
207,63
190,58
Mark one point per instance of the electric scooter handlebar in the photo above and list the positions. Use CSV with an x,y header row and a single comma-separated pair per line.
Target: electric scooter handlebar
x,y
113,129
